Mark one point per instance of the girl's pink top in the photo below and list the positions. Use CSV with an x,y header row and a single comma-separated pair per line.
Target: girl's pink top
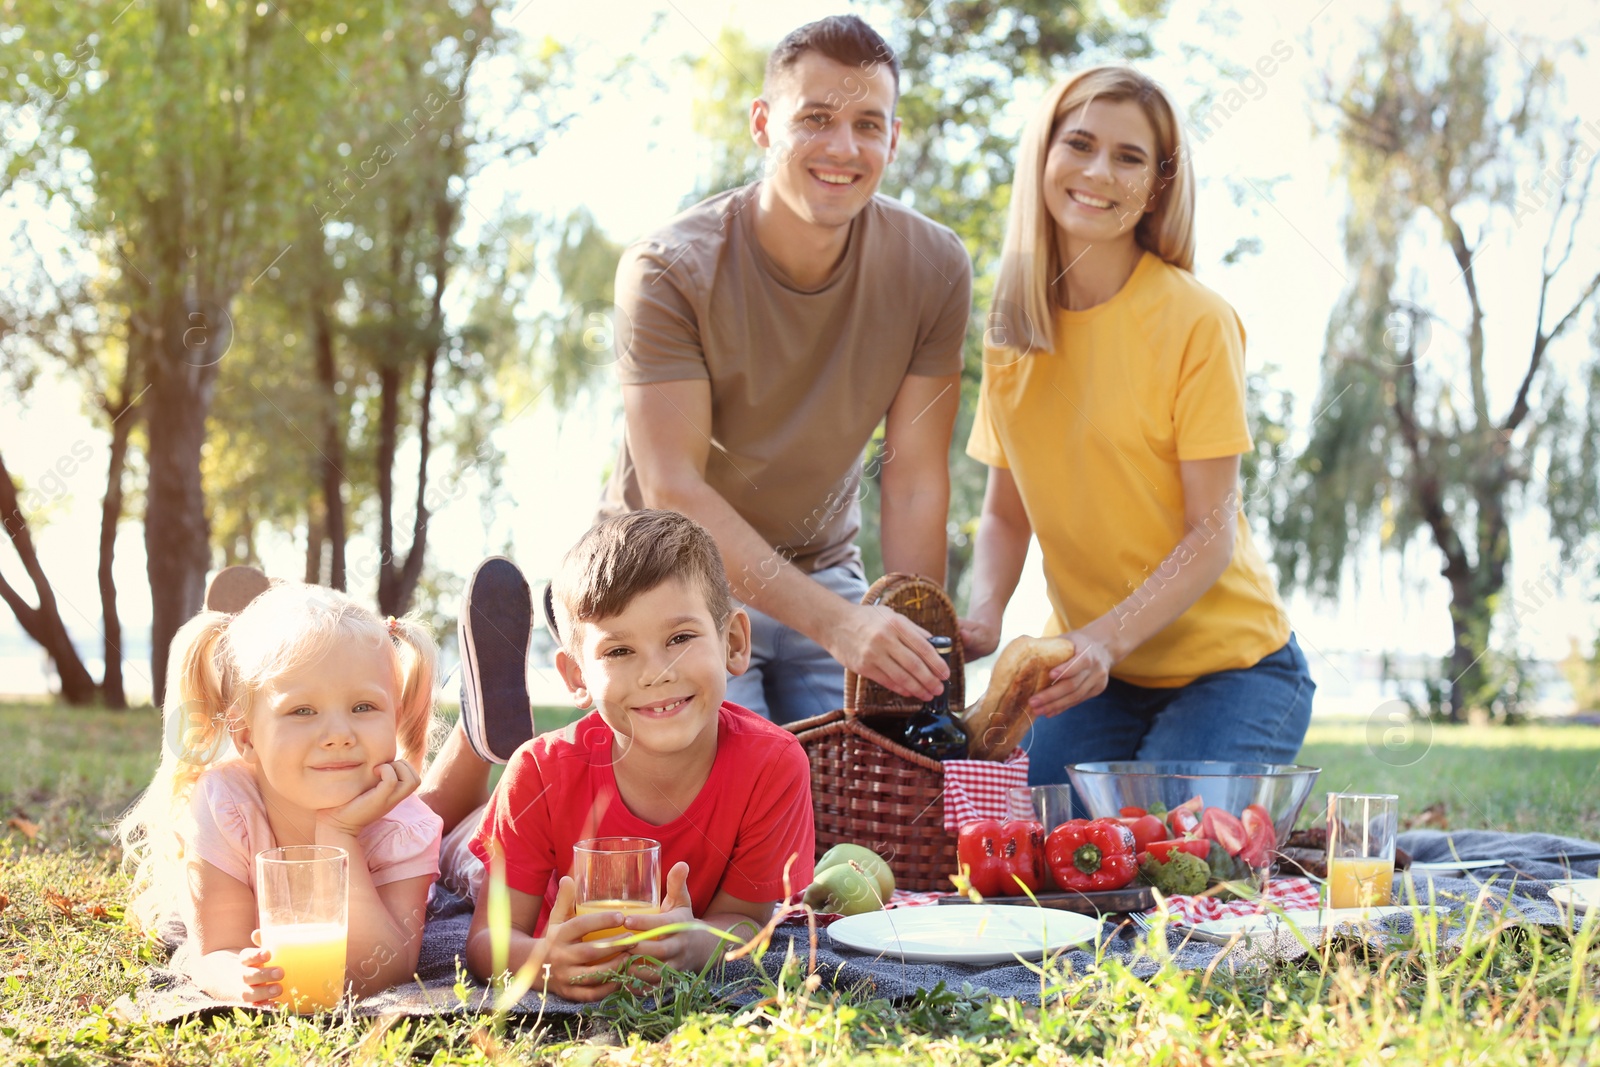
x,y
230,827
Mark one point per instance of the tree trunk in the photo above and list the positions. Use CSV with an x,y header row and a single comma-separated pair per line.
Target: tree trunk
x,y
388,441
397,579
42,623
1470,618
177,530
123,419
314,530
332,444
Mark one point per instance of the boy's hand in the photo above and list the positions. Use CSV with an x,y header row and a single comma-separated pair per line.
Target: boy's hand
x,y
396,781
260,981
575,968
686,950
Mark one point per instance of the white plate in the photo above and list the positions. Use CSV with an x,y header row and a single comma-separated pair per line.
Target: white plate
x,y
1309,919
1445,866
1580,894
985,933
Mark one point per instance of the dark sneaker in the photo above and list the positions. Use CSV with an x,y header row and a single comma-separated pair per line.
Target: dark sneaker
x,y
233,587
495,628
549,599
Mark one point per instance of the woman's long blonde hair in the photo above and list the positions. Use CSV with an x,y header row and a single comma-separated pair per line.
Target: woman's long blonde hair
x,y
1022,317
217,666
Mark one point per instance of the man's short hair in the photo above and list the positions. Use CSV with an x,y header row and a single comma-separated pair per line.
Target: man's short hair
x,y
625,556
842,38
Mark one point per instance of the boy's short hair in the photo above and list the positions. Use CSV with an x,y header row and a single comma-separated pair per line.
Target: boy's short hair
x,y
625,556
842,38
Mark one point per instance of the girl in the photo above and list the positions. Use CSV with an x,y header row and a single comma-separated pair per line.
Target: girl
x,y
297,721
1112,418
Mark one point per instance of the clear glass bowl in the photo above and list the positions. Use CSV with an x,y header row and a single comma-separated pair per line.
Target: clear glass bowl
x,y
1280,788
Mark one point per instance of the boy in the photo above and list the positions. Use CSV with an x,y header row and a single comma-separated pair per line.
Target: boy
x,y
648,636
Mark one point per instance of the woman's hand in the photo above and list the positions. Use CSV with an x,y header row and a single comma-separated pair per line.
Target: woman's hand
x,y
1083,676
396,781
978,637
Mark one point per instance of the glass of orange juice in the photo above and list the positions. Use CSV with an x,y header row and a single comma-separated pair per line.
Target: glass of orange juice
x,y
1361,833
617,874
302,898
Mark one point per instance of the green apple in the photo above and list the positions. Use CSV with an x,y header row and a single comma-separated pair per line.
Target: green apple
x,y
844,889
864,858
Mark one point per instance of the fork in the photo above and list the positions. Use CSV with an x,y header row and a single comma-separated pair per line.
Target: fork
x,y
1138,919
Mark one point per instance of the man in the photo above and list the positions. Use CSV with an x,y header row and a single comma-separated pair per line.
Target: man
x,y
769,330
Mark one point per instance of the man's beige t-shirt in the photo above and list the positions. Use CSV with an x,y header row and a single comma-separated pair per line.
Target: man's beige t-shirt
x,y
800,378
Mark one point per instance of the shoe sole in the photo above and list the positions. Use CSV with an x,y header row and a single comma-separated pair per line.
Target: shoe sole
x,y
495,630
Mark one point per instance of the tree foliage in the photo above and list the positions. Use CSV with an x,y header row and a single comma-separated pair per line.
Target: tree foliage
x,y
1435,133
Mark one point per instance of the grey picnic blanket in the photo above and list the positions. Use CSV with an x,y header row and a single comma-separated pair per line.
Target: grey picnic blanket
x,y
1518,891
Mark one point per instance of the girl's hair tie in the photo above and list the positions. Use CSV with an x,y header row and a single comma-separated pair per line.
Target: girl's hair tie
x,y
393,625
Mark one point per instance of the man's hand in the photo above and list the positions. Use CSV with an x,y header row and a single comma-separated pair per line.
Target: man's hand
x,y
878,643
1083,676
396,781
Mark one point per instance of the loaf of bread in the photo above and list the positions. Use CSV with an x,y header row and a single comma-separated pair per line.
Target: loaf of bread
x,y
997,722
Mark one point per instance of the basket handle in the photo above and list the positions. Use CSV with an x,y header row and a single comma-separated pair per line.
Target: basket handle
x,y
887,588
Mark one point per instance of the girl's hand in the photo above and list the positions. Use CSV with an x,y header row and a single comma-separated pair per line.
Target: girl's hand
x,y
686,950
978,638
1083,676
260,981
396,781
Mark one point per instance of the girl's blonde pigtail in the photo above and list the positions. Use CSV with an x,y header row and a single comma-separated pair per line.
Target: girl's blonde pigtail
x,y
195,734
419,664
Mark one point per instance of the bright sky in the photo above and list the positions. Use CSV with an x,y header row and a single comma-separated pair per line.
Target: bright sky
x,y
633,157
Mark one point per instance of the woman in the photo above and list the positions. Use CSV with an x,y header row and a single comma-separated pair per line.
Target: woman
x,y
1112,418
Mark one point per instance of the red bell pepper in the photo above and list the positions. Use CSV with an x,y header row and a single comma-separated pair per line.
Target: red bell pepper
x,y
996,856
1146,828
1086,855
1198,847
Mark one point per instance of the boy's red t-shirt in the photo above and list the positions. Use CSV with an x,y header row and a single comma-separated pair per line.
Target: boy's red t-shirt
x,y
752,814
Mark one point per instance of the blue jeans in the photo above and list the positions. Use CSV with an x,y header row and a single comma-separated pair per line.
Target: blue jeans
x,y
1255,714
791,677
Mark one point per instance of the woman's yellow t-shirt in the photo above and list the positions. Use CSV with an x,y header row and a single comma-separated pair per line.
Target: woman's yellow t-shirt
x,y
1093,433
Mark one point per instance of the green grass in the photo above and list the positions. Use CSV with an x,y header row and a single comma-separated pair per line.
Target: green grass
x,y
1525,778
1515,995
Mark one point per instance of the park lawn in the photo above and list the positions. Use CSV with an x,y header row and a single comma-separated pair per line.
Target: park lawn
x,y
1516,996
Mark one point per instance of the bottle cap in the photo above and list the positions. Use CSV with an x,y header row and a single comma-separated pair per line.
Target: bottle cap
x,y
941,645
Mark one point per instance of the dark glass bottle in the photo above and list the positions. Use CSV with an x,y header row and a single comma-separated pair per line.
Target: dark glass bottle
x,y
933,731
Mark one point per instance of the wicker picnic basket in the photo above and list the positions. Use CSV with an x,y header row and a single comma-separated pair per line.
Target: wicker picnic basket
x,y
869,790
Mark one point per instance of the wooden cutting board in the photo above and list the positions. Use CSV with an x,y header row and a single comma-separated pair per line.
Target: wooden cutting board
x,y
1101,902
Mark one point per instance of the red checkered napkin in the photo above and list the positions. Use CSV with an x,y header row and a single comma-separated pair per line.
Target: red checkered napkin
x,y
979,789
1286,894
904,898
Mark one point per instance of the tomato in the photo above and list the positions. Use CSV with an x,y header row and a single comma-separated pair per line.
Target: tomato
x,y
1194,846
1183,821
1146,828
1131,812
1262,838
1194,804
1225,829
